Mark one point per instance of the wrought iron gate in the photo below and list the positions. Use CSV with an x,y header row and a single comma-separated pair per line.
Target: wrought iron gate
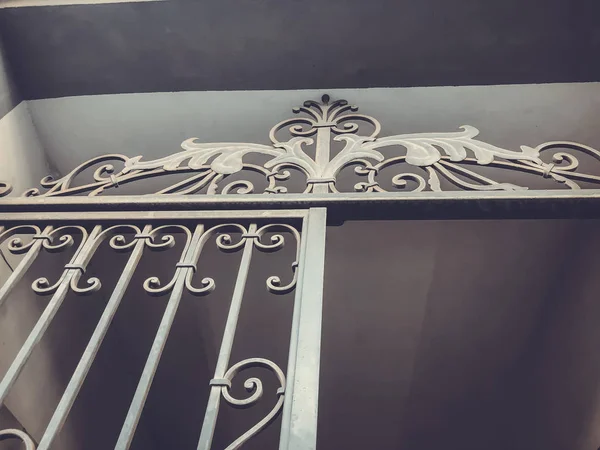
x,y
61,218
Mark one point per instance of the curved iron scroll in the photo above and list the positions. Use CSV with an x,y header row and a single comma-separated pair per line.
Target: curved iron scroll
x,y
255,387
5,188
452,156
61,238
17,434
277,242
225,243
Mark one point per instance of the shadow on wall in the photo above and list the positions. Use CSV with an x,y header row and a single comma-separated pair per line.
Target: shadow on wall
x,y
9,95
461,335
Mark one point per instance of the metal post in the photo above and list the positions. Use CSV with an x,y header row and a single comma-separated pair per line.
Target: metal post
x,y
322,154
299,427
291,367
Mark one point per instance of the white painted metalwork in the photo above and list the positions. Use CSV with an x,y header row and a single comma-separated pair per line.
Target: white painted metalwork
x,y
263,234
428,157
62,217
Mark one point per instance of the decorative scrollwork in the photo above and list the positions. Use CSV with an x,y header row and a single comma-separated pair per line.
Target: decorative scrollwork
x,y
5,188
277,242
57,241
16,245
166,240
42,285
339,116
153,285
119,241
189,256
64,185
224,242
93,284
12,433
450,156
255,387
423,151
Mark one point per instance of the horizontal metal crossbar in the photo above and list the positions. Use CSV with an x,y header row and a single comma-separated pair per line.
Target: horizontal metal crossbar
x,y
378,205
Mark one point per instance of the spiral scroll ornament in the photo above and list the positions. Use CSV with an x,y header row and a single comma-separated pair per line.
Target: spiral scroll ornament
x,y
274,283
15,243
226,241
255,387
153,285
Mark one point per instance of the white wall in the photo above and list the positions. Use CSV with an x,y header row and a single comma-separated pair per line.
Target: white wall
x,y
23,164
23,161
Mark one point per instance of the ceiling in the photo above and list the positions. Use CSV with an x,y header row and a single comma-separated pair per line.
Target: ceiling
x,y
58,51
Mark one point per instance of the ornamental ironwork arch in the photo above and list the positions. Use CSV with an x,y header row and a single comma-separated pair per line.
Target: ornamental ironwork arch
x,y
451,156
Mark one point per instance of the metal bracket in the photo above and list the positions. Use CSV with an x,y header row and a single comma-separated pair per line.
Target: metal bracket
x,y
75,267
548,169
370,185
142,236
325,125
185,265
44,237
320,180
220,382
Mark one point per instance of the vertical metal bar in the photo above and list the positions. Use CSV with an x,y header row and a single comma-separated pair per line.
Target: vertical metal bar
x,y
212,410
85,363
141,393
322,155
81,257
22,267
301,428
291,367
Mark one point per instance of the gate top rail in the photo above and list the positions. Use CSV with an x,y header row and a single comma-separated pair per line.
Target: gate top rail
x,y
352,206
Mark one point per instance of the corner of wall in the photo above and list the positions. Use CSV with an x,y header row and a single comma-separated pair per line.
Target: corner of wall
x,y
10,95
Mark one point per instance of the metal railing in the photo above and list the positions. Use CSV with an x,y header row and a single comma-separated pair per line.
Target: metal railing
x,y
245,232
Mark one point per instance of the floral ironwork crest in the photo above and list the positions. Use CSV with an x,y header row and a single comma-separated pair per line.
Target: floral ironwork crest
x,y
427,161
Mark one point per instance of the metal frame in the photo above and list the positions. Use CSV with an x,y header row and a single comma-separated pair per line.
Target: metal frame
x,y
434,205
57,217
